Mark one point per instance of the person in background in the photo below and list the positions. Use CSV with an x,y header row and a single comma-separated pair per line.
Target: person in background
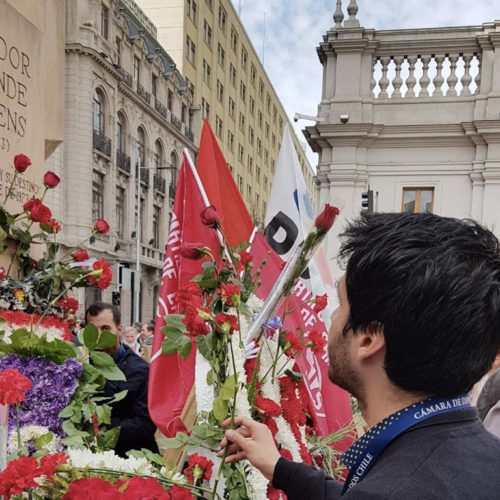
x,y
417,326
147,336
130,336
131,413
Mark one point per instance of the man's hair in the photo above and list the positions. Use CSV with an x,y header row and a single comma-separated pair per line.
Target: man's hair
x,y
433,286
99,307
150,327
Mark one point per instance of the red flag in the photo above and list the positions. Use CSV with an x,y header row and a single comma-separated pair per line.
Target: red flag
x,y
330,402
170,377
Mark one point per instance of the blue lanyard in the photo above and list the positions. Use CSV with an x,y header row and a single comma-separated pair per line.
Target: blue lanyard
x,y
395,426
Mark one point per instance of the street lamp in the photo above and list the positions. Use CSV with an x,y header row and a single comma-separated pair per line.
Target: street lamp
x,y
137,283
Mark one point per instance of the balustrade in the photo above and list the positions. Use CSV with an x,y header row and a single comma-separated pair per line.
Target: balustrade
x,y
141,92
101,143
123,161
159,183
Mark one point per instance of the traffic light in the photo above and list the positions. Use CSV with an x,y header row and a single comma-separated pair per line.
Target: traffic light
x,y
115,298
367,201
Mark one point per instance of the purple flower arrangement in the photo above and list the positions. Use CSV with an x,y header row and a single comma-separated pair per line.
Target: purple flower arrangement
x,y
51,391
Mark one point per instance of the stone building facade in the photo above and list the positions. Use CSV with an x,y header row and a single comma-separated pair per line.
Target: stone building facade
x,y
128,113
413,115
211,48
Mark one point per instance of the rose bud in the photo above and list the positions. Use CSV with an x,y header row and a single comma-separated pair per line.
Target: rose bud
x,y
3,273
101,226
209,217
193,251
80,255
21,162
50,179
30,204
40,213
324,221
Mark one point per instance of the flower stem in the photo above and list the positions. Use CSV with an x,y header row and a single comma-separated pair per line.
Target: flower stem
x,y
18,430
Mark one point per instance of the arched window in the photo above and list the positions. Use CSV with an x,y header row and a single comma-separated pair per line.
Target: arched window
x,y
140,156
174,162
158,160
120,132
98,112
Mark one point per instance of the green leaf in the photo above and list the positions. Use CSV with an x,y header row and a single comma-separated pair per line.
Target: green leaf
x,y
67,412
210,377
44,440
228,388
24,237
112,372
53,247
101,359
244,309
204,343
176,342
179,440
90,336
208,283
111,437
68,275
220,408
174,324
119,396
106,339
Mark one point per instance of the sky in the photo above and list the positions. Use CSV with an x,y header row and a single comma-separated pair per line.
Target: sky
x,y
294,28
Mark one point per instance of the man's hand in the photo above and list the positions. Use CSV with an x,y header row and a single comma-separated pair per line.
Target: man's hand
x,y
251,441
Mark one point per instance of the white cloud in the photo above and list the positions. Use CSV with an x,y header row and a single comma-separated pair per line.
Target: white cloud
x,y
294,28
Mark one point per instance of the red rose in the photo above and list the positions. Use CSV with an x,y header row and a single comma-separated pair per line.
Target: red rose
x,y
40,213
3,272
18,477
50,179
229,293
267,406
199,467
141,488
227,319
177,492
21,162
324,221
91,488
316,342
80,255
30,204
13,386
209,217
101,226
103,279
320,302
193,251
54,226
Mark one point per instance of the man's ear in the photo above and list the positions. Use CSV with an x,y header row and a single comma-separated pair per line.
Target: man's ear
x,y
371,341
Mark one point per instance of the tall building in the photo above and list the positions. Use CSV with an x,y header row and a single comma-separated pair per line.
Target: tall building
x,y
211,48
128,115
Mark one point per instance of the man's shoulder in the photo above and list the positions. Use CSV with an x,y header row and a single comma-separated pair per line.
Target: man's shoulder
x,y
133,361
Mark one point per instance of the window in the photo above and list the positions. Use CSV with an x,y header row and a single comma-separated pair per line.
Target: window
x,y
120,212
267,130
97,195
261,89
118,42
221,55
234,39
183,113
158,158
252,106
281,123
259,147
190,50
174,163
259,118
266,156
220,91
154,85
170,100
243,91
232,74
240,183
275,114
250,135
156,226
230,141
218,126
231,107
418,200
241,153
268,103
253,74
120,132
249,192
265,182
205,108
242,122
209,3
250,165
136,69
207,33
98,109
244,58
206,72
140,149
104,21
273,139
222,18
257,174
191,10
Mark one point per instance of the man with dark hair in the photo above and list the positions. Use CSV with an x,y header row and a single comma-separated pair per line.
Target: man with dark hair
x,y
131,413
417,326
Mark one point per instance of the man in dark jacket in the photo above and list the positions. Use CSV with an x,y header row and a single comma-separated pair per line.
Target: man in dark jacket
x,y
417,326
131,413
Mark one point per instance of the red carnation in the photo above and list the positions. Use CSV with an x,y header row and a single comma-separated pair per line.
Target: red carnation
x,y
209,217
40,213
245,258
51,180
49,464
324,221
3,272
30,204
229,293
142,488
293,344
320,302
18,477
21,162
267,406
101,279
68,304
80,255
227,319
199,467
193,251
101,226
177,492
316,342
13,386
54,226
91,488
